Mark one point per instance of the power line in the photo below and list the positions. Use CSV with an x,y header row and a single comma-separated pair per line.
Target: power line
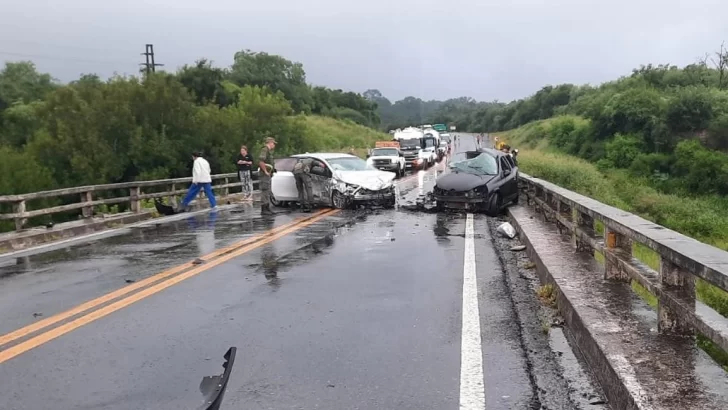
x,y
149,55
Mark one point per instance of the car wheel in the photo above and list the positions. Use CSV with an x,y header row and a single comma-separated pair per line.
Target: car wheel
x,y
390,204
494,205
339,201
515,201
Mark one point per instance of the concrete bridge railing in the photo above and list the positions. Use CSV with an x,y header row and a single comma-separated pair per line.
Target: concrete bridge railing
x,y
596,227
87,196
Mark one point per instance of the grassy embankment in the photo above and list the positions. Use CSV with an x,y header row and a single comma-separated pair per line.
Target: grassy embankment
x,y
703,218
329,134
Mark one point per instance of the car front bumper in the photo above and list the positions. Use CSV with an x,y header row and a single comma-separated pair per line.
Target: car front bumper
x,y
415,165
387,194
458,202
460,199
387,167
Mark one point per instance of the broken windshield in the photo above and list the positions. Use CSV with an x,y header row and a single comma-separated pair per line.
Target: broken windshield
x,y
349,164
483,164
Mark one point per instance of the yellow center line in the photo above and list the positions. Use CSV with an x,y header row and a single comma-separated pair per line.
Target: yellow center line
x,y
54,333
24,331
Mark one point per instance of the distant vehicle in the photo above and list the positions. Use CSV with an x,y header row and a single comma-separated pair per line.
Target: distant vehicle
x,y
409,133
487,180
440,127
444,148
429,154
413,154
386,156
339,180
452,128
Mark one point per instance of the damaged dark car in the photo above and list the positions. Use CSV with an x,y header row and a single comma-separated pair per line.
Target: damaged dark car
x,y
487,181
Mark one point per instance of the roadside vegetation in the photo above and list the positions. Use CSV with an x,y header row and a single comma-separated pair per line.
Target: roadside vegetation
x,y
91,131
654,143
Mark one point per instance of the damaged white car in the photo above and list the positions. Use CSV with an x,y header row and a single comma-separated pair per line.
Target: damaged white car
x,y
338,180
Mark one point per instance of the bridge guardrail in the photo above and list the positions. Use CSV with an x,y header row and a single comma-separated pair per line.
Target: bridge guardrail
x,y
682,259
174,187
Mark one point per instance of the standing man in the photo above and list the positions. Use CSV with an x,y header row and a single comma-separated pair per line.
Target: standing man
x,y
201,179
302,173
245,162
265,162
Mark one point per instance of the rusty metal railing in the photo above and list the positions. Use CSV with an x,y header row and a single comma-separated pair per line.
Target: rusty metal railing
x,y
87,202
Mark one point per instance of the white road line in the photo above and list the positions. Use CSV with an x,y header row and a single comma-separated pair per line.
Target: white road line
x,y
472,391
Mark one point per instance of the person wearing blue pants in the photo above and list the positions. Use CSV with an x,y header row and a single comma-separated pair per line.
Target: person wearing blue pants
x,y
201,179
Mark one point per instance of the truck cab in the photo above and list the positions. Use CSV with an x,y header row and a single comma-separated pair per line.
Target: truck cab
x,y
413,154
431,144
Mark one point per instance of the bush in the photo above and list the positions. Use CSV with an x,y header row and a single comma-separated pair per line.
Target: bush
x,y
702,218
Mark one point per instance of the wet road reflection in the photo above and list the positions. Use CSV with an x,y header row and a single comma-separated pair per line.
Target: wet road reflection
x,y
443,223
268,256
204,232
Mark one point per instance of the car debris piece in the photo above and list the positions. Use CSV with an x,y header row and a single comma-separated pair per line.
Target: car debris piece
x,y
213,387
518,248
507,230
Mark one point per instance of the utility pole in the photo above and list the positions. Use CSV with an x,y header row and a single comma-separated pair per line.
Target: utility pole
x,y
150,65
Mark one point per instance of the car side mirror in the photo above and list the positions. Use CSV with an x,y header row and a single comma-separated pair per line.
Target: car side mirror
x,y
368,155
506,172
401,154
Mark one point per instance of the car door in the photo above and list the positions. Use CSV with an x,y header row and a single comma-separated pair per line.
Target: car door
x,y
283,184
320,182
509,188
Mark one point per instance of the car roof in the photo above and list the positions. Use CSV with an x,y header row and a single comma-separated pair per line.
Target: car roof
x,y
492,152
325,155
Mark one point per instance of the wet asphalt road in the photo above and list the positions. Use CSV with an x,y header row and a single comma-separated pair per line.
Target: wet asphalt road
x,y
358,310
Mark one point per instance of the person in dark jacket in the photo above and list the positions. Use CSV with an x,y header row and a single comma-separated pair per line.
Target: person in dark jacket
x,y
302,174
245,163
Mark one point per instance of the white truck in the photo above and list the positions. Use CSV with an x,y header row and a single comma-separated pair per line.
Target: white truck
x,y
386,156
431,145
411,143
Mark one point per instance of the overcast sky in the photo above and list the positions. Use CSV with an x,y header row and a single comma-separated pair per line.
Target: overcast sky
x,y
432,49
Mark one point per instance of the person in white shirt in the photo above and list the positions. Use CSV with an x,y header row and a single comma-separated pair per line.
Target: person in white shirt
x,y
201,179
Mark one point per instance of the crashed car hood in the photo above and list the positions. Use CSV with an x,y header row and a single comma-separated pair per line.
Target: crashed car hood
x,y
372,180
461,181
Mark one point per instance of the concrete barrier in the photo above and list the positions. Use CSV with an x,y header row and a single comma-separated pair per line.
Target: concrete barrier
x,y
643,360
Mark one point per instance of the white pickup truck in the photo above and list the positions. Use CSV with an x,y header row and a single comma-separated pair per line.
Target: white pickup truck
x,y
387,159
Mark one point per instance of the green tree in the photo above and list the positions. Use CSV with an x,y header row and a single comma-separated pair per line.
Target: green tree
x,y
275,72
21,82
205,82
